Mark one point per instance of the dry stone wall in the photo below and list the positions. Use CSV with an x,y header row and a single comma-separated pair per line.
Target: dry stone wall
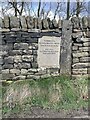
x,y
19,47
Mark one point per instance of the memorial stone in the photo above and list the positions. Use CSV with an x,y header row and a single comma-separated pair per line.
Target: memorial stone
x,y
49,52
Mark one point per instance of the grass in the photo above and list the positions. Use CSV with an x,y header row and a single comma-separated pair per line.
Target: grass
x,y
54,93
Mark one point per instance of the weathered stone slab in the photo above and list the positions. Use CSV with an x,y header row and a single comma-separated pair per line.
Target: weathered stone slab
x,y
27,58
86,44
30,22
75,21
54,23
84,22
75,60
35,22
49,52
59,23
81,65
80,54
84,49
6,22
21,46
85,59
79,71
45,24
14,22
15,71
39,23
23,22
66,44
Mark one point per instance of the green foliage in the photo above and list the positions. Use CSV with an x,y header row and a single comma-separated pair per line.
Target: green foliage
x,y
67,93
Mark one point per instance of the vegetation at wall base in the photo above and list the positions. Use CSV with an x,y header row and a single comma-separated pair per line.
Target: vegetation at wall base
x,y
56,93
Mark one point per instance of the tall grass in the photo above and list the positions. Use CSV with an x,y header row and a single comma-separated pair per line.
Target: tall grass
x,y
54,92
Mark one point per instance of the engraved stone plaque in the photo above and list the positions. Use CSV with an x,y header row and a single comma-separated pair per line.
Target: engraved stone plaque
x,y
49,52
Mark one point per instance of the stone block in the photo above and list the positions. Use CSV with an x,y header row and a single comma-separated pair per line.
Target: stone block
x,y
80,65
85,39
6,21
80,54
33,70
20,77
30,22
26,65
85,59
75,21
75,60
84,22
84,49
55,25
27,58
15,52
79,71
7,76
15,71
27,52
34,52
14,22
77,35
77,44
34,65
21,46
24,71
89,22
23,22
17,59
7,66
45,24
8,60
35,22
74,48
23,65
39,23
3,53
1,60
5,71
86,44
59,23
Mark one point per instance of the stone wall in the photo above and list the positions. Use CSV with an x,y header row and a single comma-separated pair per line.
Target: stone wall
x,y
19,47
81,49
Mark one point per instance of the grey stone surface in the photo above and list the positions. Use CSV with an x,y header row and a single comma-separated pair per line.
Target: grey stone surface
x,y
80,54
54,23
85,22
75,21
49,52
23,22
66,43
6,22
8,60
59,23
30,22
27,58
21,46
15,71
45,24
81,65
14,22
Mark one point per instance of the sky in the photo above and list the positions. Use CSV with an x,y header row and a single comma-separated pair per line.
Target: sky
x,y
62,13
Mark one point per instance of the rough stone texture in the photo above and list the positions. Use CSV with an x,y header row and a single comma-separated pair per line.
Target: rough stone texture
x,y
14,22
65,60
23,22
6,22
30,23
45,24
19,47
85,22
